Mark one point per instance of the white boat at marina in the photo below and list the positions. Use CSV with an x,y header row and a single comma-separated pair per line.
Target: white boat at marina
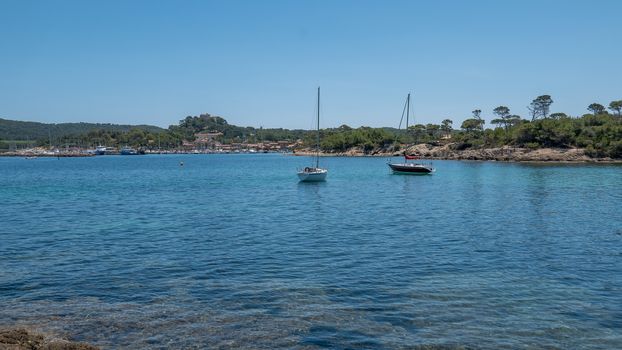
x,y
100,150
128,151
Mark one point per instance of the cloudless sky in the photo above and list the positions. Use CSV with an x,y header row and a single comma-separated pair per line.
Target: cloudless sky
x,y
258,63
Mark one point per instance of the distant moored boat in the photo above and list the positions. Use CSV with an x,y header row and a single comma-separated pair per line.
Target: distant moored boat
x,y
315,173
128,151
410,167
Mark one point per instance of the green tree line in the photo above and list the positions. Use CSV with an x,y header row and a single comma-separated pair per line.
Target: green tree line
x,y
20,130
599,132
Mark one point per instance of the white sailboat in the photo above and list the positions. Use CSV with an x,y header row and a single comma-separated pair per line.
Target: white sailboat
x,y
314,173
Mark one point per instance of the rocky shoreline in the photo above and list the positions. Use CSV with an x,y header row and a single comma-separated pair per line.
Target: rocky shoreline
x,y
503,154
37,155
23,339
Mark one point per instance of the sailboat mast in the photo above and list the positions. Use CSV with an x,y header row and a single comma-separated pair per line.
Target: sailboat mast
x,y
317,149
407,111
407,114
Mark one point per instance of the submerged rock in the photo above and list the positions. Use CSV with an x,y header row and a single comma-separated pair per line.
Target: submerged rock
x,y
22,339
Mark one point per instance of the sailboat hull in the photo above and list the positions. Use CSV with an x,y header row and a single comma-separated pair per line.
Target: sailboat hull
x,y
411,168
312,175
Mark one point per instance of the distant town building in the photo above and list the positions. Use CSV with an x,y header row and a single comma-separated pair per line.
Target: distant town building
x,y
211,141
206,137
204,140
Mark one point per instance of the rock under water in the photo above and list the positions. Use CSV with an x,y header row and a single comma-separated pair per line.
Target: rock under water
x,y
22,339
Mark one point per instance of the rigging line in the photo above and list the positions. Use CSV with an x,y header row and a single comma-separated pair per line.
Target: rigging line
x,y
401,120
403,112
407,111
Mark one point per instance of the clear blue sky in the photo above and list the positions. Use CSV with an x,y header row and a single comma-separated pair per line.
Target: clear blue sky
x,y
259,62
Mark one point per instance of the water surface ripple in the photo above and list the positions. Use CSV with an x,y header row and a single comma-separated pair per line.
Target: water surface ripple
x,y
230,251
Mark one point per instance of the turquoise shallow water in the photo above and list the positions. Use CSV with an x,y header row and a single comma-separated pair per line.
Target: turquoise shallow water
x,y
230,251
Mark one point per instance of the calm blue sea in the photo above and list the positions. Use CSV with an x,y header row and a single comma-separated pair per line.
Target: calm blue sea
x,y
230,251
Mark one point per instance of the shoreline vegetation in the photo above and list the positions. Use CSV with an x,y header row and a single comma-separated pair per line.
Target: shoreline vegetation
x,y
543,136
